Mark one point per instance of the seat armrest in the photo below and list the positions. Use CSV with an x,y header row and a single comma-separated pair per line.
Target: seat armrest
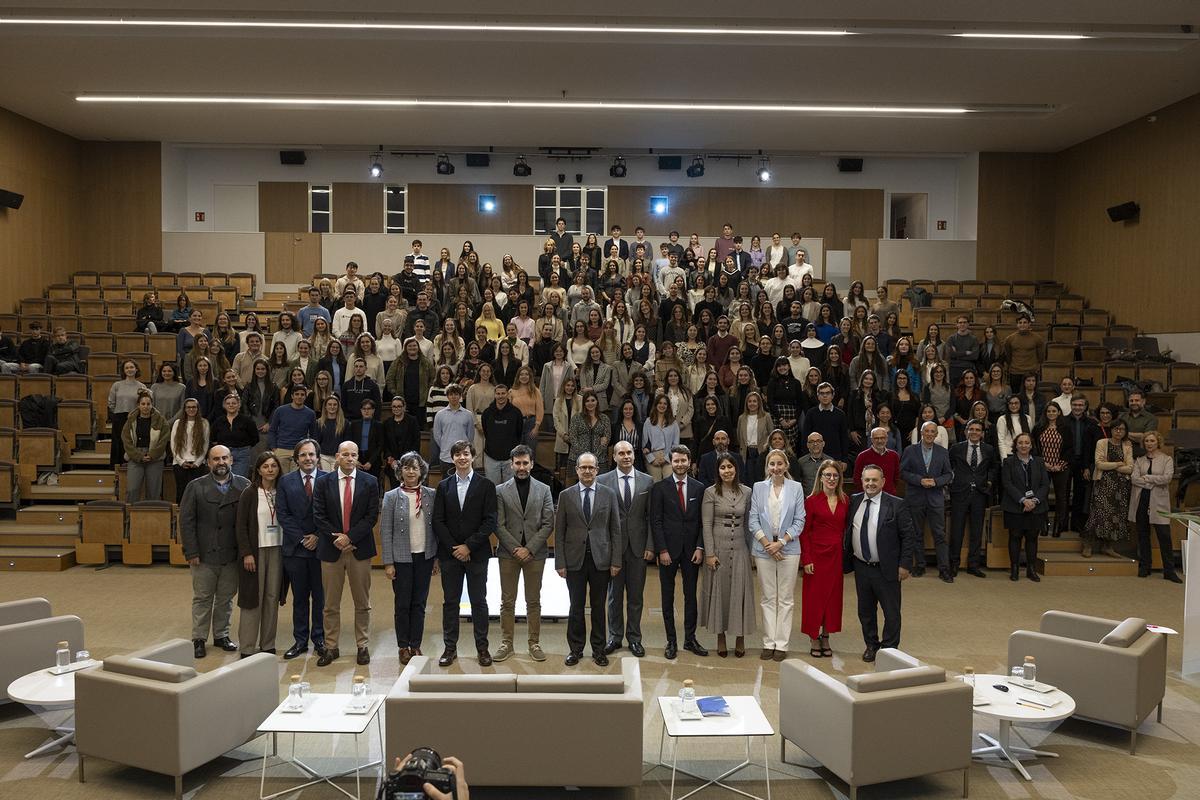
x,y
1102,680
24,610
179,652
889,658
807,695
1076,626
631,671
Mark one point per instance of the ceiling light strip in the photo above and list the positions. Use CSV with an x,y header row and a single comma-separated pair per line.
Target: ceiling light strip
x,y
1029,36
551,105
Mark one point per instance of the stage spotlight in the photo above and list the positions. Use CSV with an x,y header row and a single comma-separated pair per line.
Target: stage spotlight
x,y
696,170
618,169
376,169
444,167
764,170
521,169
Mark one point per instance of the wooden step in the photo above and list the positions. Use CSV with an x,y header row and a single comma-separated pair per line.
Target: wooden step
x,y
87,458
48,515
36,559
88,478
17,534
1068,564
64,494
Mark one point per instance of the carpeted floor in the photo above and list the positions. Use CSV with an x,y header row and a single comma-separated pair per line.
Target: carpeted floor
x,y
966,624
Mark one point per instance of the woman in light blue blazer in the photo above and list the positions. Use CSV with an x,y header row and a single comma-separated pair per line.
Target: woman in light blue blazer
x,y
776,519
409,551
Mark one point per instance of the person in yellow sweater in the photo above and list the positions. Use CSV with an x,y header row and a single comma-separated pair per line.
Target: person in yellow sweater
x,y
488,321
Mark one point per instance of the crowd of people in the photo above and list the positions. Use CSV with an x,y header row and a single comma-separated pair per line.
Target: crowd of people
x,y
682,360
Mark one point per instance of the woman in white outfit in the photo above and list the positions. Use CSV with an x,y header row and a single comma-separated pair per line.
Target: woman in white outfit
x,y
776,519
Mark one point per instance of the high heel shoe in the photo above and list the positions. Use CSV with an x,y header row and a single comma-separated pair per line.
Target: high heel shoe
x,y
826,651
739,647
722,649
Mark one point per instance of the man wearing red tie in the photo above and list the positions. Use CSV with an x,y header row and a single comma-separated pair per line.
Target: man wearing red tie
x,y
345,508
675,520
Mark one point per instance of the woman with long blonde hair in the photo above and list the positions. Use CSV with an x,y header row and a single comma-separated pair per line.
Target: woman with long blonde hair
x,y
825,512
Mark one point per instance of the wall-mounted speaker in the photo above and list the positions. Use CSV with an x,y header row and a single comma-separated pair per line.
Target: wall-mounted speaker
x,y
670,162
849,164
478,159
1124,212
10,199
292,158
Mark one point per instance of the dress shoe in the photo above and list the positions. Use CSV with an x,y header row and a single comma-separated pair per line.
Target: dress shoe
x,y
271,651
739,647
767,654
536,652
364,656
612,646
198,648
244,655
946,577
1172,577
572,659
449,656
225,644
416,651
405,656
328,656
1014,574
954,572
869,655
977,572
692,646
917,571
1087,550
671,651
319,647
722,647
485,658
504,653
600,660
780,655
1033,576
637,649
1143,572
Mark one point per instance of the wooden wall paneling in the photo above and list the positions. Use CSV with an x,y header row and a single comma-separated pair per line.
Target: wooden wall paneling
x,y
864,261
121,222
358,208
292,258
450,208
1016,216
283,206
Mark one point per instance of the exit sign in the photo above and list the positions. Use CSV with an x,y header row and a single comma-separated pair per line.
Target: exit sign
x,y
941,224
200,216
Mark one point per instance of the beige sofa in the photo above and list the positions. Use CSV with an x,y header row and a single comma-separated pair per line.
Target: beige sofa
x,y
29,637
522,730
152,710
1116,671
901,721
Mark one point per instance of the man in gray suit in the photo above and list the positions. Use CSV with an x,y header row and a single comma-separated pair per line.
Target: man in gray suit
x,y
633,495
525,517
587,552
207,518
925,467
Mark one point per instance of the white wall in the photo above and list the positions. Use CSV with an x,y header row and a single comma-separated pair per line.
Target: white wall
x,y
189,184
1183,346
968,198
926,258
215,252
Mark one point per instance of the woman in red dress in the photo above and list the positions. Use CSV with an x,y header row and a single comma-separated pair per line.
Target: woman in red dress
x,y
821,554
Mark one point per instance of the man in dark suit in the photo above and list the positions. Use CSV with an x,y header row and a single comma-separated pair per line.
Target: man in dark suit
x,y
614,238
626,589
707,474
345,510
294,507
587,553
878,548
562,239
675,519
975,468
1084,433
464,516
925,468
367,433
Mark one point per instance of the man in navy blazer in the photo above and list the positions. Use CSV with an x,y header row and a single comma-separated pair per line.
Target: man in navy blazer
x,y
464,517
925,468
294,507
878,547
346,545
679,544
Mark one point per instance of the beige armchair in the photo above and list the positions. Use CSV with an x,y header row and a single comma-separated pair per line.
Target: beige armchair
x,y
901,721
152,710
29,637
1116,671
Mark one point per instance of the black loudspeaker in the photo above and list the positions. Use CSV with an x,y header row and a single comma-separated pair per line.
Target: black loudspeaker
x,y
849,164
478,159
292,158
1123,212
670,162
10,199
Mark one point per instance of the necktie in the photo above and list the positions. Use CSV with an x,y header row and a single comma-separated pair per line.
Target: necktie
x,y
974,456
347,499
682,499
308,486
628,496
587,503
864,539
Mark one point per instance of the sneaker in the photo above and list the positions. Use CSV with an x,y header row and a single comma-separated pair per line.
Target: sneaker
x,y
536,653
504,653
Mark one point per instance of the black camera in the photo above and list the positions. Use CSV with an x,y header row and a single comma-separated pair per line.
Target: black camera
x,y
423,766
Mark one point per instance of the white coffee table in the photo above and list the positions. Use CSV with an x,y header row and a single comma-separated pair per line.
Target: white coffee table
x,y
1004,706
745,718
325,713
43,689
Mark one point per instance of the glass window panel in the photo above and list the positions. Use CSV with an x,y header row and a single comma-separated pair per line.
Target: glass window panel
x,y
595,198
543,220
595,221
320,222
571,215
545,197
570,198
